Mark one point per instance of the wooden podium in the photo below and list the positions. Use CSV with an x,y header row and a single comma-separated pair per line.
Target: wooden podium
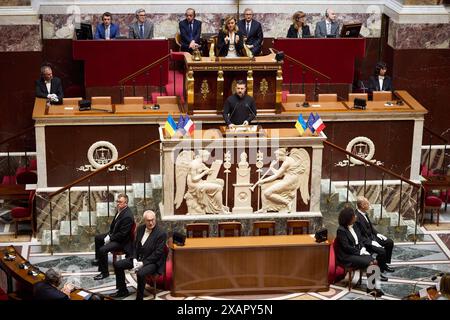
x,y
209,82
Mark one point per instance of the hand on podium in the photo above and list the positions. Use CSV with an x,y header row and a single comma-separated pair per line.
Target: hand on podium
x,y
245,123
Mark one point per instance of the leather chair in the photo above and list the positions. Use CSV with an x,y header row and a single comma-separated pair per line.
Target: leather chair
x,y
264,228
229,229
327,97
297,227
26,177
197,230
21,214
432,203
121,252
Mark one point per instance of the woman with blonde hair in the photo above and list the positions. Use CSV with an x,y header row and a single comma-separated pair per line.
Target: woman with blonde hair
x,y
298,28
230,41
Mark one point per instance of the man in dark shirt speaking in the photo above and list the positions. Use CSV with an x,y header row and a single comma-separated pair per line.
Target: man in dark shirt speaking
x,y
240,108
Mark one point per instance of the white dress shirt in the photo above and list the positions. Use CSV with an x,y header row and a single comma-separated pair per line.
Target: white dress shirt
x,y
145,236
352,231
380,81
48,84
328,23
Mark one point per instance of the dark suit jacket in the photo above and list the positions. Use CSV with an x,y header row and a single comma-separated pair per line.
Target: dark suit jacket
x,y
185,33
366,228
100,31
133,32
321,29
292,32
45,291
56,88
152,252
374,84
255,36
120,229
346,246
223,47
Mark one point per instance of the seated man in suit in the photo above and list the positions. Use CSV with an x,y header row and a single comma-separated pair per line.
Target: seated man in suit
x,y
49,87
190,31
142,28
107,30
380,81
119,237
252,31
49,288
148,257
328,28
378,243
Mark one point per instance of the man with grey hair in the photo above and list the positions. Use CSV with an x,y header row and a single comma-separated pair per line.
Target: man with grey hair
x,y
149,256
142,28
253,33
49,87
49,288
119,237
379,244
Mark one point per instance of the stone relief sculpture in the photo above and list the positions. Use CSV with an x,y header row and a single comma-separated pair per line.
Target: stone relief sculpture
x,y
202,195
280,189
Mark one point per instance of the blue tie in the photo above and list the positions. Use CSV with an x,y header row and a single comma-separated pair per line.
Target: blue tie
x,y
141,31
191,30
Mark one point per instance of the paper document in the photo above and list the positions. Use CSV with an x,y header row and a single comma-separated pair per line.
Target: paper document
x,y
315,105
68,108
83,293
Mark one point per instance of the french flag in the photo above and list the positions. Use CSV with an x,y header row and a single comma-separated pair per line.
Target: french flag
x,y
318,124
189,125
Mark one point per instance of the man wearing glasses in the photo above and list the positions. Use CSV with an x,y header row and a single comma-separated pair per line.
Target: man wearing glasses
x,y
119,237
142,28
190,30
252,30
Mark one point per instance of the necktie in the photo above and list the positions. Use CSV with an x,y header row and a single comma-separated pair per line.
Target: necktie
x,y
328,28
191,30
141,31
107,32
248,28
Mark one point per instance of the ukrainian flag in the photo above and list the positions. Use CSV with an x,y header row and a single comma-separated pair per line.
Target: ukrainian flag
x,y
301,124
170,126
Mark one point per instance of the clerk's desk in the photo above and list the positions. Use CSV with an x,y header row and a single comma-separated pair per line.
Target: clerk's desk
x,y
26,280
259,264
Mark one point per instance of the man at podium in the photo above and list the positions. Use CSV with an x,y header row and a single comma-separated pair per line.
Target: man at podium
x,y
239,108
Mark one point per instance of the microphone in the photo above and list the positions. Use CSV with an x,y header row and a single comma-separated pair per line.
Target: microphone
x,y
254,116
232,112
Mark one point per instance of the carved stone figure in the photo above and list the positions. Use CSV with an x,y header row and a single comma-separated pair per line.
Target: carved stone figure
x,y
202,195
281,189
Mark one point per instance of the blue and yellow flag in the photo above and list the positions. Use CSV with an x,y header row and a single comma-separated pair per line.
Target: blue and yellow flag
x,y
170,126
301,124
